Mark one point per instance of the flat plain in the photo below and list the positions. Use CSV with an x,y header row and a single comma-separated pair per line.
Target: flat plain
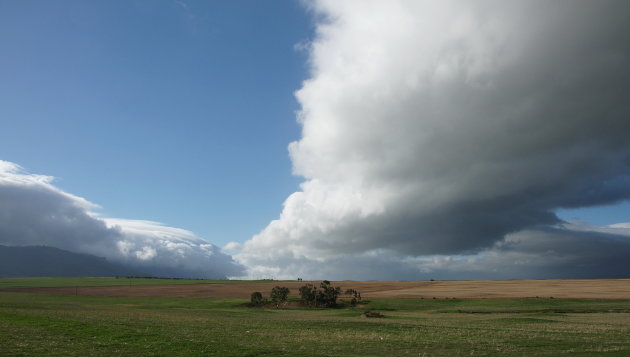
x,y
425,319
124,287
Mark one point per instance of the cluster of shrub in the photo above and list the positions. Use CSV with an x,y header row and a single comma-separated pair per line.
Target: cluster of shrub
x,y
323,296
278,296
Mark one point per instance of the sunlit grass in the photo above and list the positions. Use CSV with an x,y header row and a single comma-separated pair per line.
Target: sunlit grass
x,y
32,324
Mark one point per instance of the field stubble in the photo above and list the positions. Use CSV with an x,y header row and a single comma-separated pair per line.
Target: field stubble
x,y
42,324
560,288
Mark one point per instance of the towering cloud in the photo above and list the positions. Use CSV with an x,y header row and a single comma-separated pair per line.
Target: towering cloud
x,y
35,212
440,136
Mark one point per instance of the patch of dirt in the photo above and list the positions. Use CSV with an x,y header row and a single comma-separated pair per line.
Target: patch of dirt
x,y
579,289
369,314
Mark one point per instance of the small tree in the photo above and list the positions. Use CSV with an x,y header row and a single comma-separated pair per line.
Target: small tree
x,y
328,294
257,298
356,296
279,295
308,293
324,296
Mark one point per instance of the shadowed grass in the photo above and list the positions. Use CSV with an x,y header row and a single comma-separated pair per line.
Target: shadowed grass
x,y
513,305
49,282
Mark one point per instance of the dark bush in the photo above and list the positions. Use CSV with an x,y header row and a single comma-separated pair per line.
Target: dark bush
x,y
327,295
279,295
308,293
257,299
356,296
324,296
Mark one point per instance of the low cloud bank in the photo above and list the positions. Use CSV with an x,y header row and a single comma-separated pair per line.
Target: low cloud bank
x,y
439,137
35,212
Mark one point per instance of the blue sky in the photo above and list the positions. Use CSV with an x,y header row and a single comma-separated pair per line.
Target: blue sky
x,y
598,215
173,111
436,139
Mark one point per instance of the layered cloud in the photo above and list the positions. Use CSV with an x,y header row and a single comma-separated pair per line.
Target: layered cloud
x,y
35,212
452,130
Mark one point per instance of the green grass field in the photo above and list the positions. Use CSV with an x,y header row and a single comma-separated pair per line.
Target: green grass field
x,y
32,324
48,282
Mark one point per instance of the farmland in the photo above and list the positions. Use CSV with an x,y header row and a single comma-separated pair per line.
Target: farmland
x,y
139,287
40,323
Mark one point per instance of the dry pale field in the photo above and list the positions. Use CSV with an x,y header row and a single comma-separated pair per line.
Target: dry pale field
x,y
584,289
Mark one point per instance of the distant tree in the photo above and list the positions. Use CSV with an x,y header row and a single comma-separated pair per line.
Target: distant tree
x,y
257,298
279,295
327,295
324,296
356,296
308,293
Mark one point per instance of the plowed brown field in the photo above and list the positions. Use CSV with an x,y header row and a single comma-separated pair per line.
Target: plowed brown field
x,y
584,289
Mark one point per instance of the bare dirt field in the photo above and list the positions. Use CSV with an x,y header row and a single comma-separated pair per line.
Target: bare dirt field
x,y
579,289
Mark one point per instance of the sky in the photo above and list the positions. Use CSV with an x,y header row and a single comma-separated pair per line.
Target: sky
x,y
173,111
364,140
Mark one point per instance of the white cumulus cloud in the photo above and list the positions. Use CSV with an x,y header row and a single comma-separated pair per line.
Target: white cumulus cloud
x,y
434,129
35,212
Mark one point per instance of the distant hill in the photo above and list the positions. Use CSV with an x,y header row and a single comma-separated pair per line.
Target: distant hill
x,y
48,261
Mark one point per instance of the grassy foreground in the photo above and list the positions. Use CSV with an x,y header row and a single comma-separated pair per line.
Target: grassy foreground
x,y
32,324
